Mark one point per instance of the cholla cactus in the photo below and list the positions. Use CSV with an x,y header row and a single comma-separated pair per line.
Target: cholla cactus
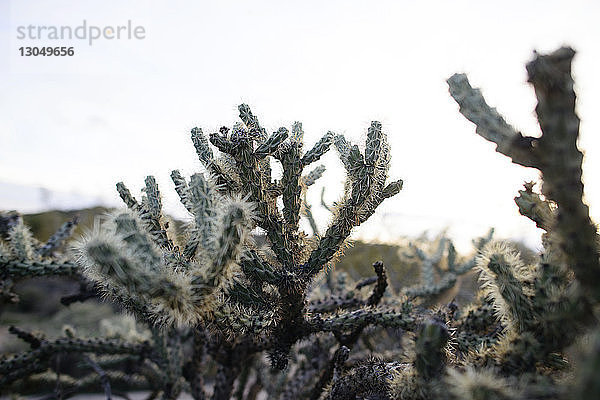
x,y
542,307
218,315
504,281
473,384
174,287
447,271
22,256
213,283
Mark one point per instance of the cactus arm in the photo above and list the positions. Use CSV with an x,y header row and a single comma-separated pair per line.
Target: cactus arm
x,y
36,360
334,303
59,237
555,154
253,184
560,162
490,124
306,209
202,201
127,197
430,359
318,150
272,144
21,269
251,121
256,268
206,157
290,181
367,190
380,285
532,206
181,187
350,320
150,210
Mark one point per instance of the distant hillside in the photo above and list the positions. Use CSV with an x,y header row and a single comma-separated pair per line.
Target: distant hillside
x,y
33,199
46,223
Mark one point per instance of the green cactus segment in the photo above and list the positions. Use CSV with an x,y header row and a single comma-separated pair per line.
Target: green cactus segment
x,y
271,145
314,175
119,262
223,175
202,199
154,203
297,136
181,187
21,242
251,121
126,196
430,359
503,275
58,238
37,360
367,189
318,150
256,268
560,162
203,150
16,269
482,384
292,170
535,208
236,220
350,320
380,285
139,242
490,124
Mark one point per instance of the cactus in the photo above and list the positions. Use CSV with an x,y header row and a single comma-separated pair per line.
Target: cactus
x,y
215,314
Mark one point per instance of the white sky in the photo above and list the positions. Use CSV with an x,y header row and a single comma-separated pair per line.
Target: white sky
x,y
120,110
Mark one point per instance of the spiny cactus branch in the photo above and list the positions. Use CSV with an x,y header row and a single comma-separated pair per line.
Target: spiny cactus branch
x,y
555,153
350,320
59,237
36,360
21,269
561,163
490,124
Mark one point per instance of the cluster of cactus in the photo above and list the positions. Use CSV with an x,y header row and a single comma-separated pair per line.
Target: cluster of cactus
x,y
218,315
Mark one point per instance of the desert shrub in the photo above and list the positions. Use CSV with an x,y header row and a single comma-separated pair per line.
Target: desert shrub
x,y
213,313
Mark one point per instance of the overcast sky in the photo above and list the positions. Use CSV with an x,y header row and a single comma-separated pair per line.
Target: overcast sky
x,y
123,109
